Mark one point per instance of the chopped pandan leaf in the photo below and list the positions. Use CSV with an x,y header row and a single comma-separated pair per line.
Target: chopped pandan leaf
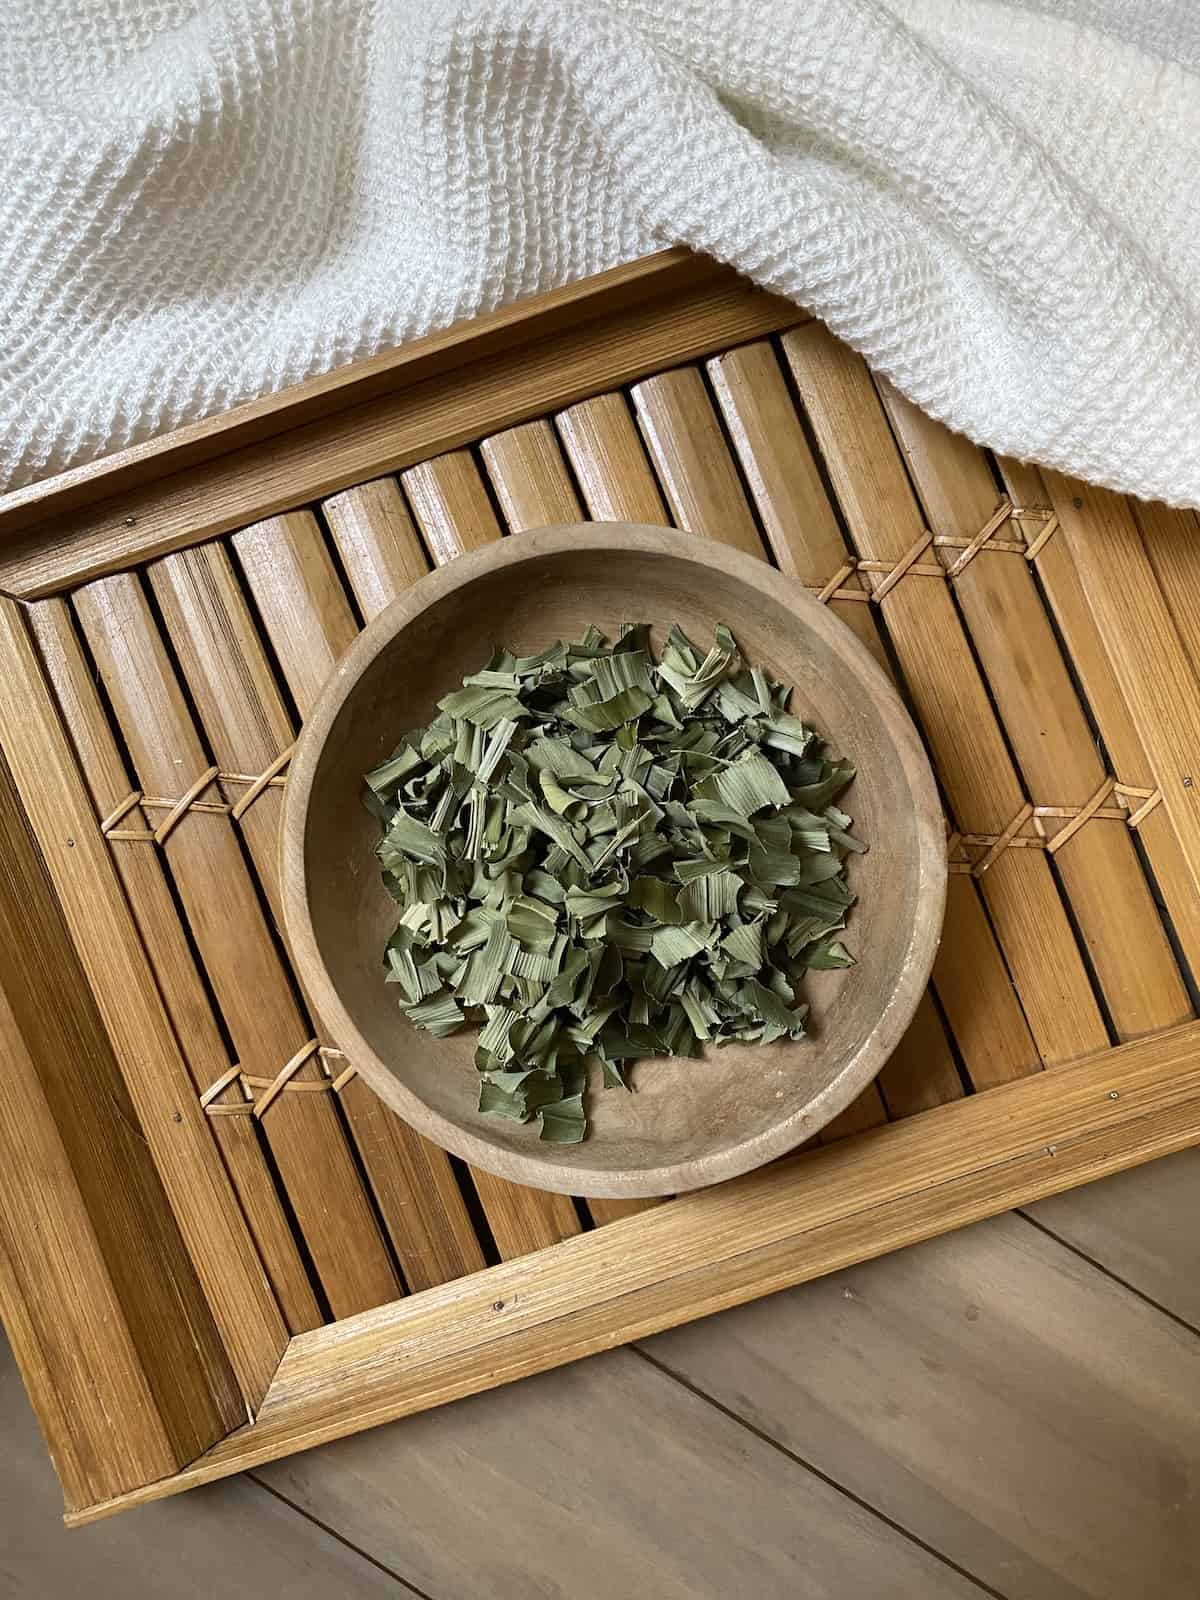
x,y
604,716
625,669
440,1014
532,922
554,828
408,838
557,757
745,944
596,900
656,898
564,1122
594,853
710,898
832,779
493,1036
670,946
782,731
614,1075
487,967
832,953
386,779
483,707
631,936
502,1095
746,786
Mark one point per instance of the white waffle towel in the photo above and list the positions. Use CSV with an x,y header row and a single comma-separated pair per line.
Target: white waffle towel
x,y
998,204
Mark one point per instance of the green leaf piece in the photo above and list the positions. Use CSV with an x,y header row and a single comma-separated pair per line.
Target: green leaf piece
x,y
600,855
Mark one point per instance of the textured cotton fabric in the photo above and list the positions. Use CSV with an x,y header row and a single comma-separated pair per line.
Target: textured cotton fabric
x,y
996,203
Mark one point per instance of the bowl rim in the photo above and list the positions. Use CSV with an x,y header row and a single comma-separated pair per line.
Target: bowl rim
x,y
540,1168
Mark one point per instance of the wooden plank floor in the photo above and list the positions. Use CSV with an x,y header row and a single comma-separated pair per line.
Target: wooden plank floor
x,y
1010,1411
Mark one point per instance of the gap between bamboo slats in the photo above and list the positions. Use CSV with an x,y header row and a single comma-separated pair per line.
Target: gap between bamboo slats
x,y
142,876
705,495
969,974
308,620
96,916
1117,725
234,941
249,728
1171,539
948,693
1040,711
1143,644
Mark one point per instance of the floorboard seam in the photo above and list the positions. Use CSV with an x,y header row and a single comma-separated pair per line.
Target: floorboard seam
x,y
348,1544
1107,1272
800,1461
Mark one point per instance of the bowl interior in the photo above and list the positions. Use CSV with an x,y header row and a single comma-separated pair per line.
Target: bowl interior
x,y
688,1122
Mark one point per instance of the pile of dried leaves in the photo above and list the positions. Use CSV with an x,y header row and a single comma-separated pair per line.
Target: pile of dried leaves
x,y
602,855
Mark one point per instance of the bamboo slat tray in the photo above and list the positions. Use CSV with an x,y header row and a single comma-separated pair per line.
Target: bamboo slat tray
x,y
216,1247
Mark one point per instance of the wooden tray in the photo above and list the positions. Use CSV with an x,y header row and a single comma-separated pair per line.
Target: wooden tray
x,y
216,1247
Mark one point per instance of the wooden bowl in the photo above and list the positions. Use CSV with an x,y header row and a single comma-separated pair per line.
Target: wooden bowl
x,y
689,1122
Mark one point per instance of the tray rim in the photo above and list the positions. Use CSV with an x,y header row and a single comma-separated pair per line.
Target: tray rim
x,y
1126,1105
860,1197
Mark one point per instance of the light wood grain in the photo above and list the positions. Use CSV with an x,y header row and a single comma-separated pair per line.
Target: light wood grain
x,y
224,667
1169,538
530,478
1141,1227
439,411
695,468
948,692
96,916
1060,583
309,624
993,1395
789,495
844,1203
867,1111
451,505
234,1540
50,1256
602,444
921,1072
235,944
376,541
247,726
523,1220
807,542
141,872
1046,728
635,1486
1143,645
280,560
